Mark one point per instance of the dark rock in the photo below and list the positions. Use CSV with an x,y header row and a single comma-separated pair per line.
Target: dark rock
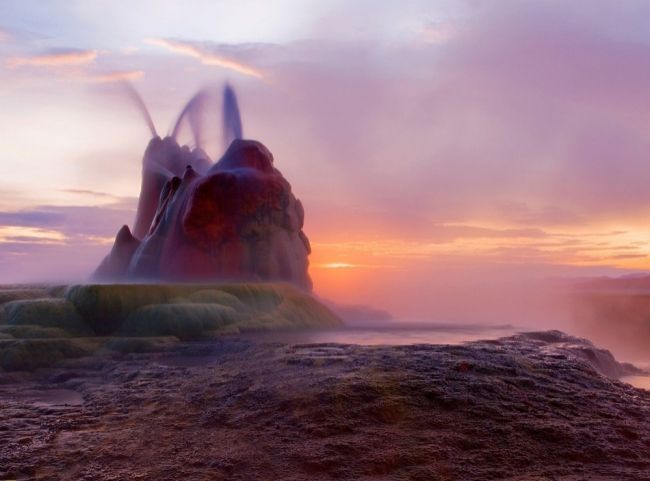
x,y
407,412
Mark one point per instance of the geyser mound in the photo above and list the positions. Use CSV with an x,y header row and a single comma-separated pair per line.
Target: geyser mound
x,y
236,219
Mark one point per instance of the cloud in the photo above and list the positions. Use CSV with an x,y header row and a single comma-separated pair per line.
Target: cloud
x,y
34,218
449,232
58,243
64,58
74,64
110,77
71,221
53,242
13,234
205,55
77,65
438,32
109,201
5,35
92,193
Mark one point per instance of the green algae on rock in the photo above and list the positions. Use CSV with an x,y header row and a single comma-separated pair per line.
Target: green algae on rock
x,y
67,323
186,321
29,354
49,312
16,294
29,331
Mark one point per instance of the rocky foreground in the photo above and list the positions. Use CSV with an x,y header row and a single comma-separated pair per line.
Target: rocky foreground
x,y
528,407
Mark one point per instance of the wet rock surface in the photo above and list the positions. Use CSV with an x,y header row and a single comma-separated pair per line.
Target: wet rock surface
x,y
527,407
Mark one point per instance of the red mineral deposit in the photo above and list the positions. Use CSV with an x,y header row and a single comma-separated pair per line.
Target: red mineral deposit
x,y
234,219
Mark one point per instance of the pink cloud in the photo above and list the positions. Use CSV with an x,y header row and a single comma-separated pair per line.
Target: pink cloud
x,y
206,56
59,59
78,65
114,76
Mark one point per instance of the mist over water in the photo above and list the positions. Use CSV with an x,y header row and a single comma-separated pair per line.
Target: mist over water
x,y
392,333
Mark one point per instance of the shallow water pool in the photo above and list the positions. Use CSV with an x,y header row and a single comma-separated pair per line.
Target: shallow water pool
x,y
405,334
369,335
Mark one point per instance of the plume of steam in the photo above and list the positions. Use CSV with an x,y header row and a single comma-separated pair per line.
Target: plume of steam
x,y
193,111
232,127
135,97
157,168
165,159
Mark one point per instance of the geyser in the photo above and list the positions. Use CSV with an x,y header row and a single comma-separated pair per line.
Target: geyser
x,y
199,220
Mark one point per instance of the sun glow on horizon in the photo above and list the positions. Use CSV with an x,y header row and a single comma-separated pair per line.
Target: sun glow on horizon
x,y
336,265
624,247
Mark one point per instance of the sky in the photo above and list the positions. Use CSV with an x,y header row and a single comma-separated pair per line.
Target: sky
x,y
444,151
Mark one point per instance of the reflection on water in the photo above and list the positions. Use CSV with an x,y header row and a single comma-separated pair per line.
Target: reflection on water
x,y
390,334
